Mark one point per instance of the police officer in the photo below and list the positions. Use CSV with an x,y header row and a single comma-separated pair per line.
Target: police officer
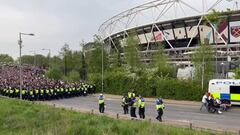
x,y
159,107
47,93
65,93
52,93
101,103
133,107
141,107
16,92
24,92
125,104
58,92
94,88
11,92
62,92
133,94
130,95
36,93
30,95
85,91
41,94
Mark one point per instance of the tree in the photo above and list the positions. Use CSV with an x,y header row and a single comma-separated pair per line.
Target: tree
x,y
237,73
6,58
131,53
83,70
116,61
94,60
41,61
55,60
160,63
66,55
36,60
212,17
54,73
203,62
28,59
71,60
76,61
74,76
115,55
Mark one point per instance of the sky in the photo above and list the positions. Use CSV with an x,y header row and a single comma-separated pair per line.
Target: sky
x,y
54,23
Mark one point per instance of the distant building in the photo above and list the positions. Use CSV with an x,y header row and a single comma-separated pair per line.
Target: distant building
x,y
180,29
89,47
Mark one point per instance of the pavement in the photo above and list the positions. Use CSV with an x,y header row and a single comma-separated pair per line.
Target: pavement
x,y
180,113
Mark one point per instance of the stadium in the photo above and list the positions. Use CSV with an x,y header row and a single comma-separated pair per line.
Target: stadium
x,y
180,26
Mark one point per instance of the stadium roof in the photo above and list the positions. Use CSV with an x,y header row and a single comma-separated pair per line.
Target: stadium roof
x,y
162,10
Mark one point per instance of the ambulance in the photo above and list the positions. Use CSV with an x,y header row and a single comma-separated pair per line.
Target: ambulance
x,y
226,90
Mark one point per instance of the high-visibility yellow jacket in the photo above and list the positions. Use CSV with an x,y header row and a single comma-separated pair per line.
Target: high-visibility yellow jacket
x,y
160,106
101,100
141,103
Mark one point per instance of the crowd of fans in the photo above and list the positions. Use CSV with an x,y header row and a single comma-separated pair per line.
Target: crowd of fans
x,y
35,86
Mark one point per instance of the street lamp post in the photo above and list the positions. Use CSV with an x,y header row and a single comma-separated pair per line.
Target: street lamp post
x,y
20,60
49,55
49,51
35,60
203,73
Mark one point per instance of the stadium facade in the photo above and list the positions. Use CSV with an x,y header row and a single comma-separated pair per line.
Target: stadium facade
x,y
179,25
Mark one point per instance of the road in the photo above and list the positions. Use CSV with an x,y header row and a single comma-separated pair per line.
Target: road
x,y
176,112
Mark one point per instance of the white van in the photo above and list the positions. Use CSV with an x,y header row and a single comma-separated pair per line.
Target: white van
x,y
225,90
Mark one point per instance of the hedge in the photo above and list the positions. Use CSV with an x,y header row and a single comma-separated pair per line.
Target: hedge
x,y
169,88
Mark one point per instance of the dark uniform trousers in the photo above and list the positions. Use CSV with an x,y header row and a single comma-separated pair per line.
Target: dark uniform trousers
x,y
101,108
160,113
142,112
125,108
133,112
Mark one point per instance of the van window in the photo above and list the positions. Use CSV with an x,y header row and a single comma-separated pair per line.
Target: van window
x,y
235,89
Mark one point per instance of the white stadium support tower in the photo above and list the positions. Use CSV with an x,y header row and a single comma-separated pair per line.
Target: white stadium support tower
x,y
179,25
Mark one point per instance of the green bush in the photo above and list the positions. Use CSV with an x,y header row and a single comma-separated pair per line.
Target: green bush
x,y
180,90
97,80
118,82
237,73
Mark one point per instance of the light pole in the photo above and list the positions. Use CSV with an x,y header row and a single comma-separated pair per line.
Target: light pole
x,y
203,73
35,61
49,51
20,59
102,66
49,55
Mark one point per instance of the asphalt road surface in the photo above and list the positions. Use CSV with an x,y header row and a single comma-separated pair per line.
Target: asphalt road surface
x,y
174,113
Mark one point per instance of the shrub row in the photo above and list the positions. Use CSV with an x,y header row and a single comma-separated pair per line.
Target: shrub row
x,y
169,88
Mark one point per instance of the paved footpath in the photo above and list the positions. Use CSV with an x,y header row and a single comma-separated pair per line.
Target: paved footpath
x,y
177,112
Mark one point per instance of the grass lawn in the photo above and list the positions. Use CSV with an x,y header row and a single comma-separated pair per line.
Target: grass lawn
x,y
24,118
